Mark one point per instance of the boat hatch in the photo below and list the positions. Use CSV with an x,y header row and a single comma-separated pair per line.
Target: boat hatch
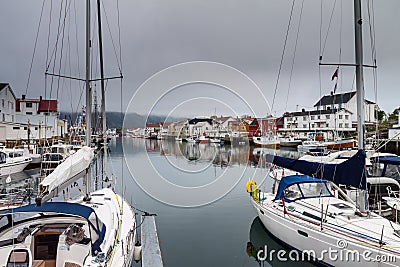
x,y
18,258
342,206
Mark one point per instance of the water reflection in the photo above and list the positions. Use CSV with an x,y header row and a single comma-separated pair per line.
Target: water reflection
x,y
19,187
219,155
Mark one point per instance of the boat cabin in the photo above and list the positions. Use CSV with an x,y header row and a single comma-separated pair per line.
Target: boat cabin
x,y
54,234
295,187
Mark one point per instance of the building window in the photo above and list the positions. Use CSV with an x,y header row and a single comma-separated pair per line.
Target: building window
x,y
4,117
35,128
327,125
12,118
340,125
29,113
327,117
25,128
2,103
340,116
312,117
304,118
347,117
346,125
304,125
28,104
15,128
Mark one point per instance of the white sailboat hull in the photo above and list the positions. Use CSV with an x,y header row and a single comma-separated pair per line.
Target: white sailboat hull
x,y
305,238
9,168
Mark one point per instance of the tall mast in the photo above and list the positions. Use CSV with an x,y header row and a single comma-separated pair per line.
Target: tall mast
x,y
362,198
103,94
88,96
359,74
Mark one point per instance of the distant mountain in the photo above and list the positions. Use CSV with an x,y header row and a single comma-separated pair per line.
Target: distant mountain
x,y
116,119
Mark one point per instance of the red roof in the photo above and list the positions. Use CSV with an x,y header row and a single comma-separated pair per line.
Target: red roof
x,y
44,105
152,125
47,105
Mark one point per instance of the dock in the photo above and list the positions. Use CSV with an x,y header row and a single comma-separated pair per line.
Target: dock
x,y
151,253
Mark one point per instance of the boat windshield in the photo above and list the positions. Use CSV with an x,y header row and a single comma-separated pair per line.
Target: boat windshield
x,y
306,190
387,170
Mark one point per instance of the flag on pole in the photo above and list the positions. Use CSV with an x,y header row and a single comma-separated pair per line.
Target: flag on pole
x,y
335,74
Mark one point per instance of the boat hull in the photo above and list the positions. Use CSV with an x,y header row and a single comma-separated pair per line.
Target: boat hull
x,y
340,144
305,239
14,167
290,143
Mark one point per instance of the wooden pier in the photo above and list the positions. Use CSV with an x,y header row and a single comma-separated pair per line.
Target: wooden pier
x,y
151,253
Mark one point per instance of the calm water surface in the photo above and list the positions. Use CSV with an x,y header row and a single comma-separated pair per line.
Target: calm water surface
x,y
223,233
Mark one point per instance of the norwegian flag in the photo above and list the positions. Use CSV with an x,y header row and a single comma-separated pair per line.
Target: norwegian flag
x,y
335,74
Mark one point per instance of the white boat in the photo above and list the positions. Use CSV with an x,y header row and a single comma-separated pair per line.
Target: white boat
x,y
12,161
311,146
215,140
99,232
289,142
266,141
56,154
306,214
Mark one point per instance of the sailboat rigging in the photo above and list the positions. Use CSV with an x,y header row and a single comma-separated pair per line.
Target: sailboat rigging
x,y
315,215
97,229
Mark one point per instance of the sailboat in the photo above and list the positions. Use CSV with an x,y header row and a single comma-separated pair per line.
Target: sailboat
x,y
314,216
97,229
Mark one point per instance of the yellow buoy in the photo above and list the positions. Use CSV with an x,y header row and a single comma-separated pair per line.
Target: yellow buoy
x,y
250,185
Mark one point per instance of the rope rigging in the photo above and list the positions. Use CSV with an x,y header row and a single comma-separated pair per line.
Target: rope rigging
x,y
282,56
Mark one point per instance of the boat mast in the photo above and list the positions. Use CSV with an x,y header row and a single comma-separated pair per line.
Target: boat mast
x,y
103,92
362,199
359,74
88,98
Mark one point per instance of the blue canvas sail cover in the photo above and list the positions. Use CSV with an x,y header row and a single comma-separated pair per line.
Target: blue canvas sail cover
x,y
393,160
350,172
287,181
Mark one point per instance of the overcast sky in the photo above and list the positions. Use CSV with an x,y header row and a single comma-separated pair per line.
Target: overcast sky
x,y
245,35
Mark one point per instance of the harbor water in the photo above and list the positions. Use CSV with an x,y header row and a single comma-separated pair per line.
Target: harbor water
x,y
222,232
225,232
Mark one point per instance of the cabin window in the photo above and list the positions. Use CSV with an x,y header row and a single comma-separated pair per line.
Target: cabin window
x,y
18,257
2,157
314,190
